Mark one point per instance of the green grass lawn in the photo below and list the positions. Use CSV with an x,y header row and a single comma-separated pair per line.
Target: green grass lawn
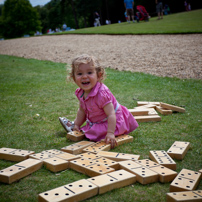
x,y
178,23
29,87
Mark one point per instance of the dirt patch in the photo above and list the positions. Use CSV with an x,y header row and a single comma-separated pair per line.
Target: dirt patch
x,y
162,55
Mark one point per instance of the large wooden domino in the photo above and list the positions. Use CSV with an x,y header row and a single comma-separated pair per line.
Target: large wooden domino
x,y
89,168
19,170
139,112
113,180
163,110
76,191
178,150
75,136
101,160
185,196
97,147
115,156
186,180
14,154
45,154
54,160
77,148
149,118
172,107
55,164
143,174
122,139
141,103
162,158
165,174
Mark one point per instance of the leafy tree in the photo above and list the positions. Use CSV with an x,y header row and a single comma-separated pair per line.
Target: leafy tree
x,y
19,18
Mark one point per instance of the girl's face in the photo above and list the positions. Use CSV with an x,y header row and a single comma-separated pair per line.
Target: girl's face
x,y
86,77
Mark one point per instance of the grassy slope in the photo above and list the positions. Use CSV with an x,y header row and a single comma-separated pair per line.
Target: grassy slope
x,y
30,87
185,22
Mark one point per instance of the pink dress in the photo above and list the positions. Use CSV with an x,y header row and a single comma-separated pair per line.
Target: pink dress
x,y
96,119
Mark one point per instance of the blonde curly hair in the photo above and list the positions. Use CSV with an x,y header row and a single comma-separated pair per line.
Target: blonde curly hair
x,y
85,59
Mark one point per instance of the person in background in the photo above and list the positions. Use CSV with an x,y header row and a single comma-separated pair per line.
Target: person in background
x,y
159,9
129,4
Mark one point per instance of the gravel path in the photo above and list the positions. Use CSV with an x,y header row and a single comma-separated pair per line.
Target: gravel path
x,y
162,55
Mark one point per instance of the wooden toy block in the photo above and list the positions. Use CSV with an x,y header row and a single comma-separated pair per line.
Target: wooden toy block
x,y
55,164
14,154
200,171
99,159
19,170
76,191
89,168
162,158
186,180
113,180
140,103
143,174
115,156
138,112
67,156
172,107
122,139
77,148
185,196
98,146
163,110
41,156
178,150
165,174
149,118
75,136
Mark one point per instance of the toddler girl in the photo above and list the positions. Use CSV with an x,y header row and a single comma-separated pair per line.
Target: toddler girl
x,y
105,117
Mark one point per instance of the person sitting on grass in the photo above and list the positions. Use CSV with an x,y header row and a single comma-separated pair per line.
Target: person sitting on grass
x,y
105,118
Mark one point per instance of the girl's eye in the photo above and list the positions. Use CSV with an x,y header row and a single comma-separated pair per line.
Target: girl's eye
x,y
89,72
79,74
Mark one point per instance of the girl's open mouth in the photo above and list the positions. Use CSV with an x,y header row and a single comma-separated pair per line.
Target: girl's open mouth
x,y
85,83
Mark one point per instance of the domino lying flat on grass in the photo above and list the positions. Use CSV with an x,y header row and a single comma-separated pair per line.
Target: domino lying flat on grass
x,y
19,170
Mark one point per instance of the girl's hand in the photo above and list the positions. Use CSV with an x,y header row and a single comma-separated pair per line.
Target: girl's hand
x,y
76,128
110,139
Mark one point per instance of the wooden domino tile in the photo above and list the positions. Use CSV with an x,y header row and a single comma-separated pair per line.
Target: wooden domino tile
x,y
162,158
97,147
55,164
122,139
77,148
185,196
143,174
75,136
76,191
200,171
165,174
99,159
113,180
149,118
115,156
19,170
138,112
178,150
163,110
140,103
41,156
66,156
89,168
14,154
172,107
186,180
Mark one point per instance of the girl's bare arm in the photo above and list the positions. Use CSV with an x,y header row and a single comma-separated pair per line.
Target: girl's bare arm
x,y
110,137
80,119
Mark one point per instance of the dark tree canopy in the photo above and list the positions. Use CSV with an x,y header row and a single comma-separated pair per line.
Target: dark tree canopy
x,y
19,18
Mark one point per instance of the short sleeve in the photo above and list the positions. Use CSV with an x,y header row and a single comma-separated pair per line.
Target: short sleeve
x,y
104,98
